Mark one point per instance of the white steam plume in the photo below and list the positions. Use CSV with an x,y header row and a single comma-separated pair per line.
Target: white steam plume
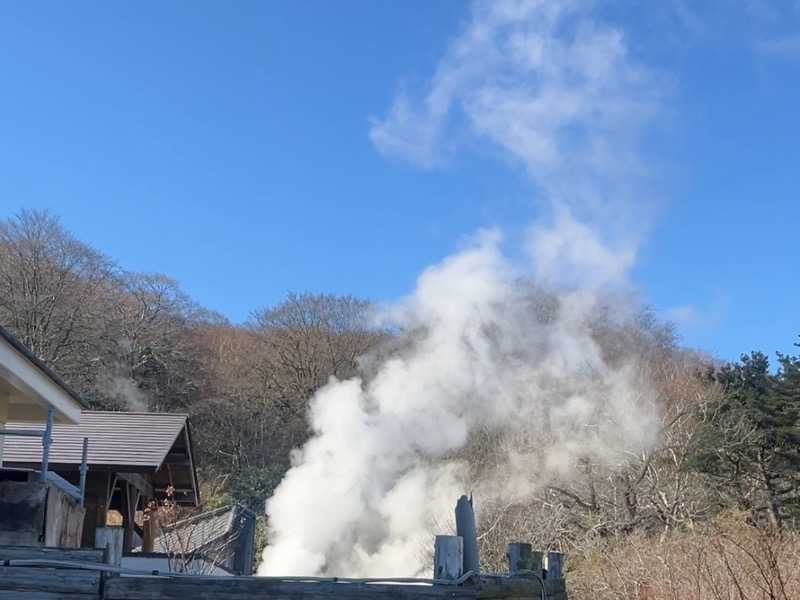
x,y
557,91
125,390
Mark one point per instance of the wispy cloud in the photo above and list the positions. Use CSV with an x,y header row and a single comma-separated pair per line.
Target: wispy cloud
x,y
552,87
787,46
767,28
547,82
774,27
683,316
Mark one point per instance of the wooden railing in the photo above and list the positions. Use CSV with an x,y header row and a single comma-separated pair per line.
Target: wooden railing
x,y
96,575
85,574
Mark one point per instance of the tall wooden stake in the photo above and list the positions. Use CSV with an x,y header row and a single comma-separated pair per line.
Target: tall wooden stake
x,y
465,527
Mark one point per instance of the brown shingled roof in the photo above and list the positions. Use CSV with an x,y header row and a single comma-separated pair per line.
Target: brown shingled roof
x,y
115,439
121,442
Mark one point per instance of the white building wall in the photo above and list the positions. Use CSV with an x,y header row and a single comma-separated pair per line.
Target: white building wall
x,y
162,565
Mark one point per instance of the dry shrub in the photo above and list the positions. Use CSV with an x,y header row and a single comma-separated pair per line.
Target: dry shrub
x,y
728,558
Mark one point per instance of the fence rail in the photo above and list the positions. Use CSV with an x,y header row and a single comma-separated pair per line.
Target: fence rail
x,y
78,492
83,574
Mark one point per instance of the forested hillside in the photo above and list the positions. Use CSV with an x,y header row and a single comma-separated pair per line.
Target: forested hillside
x,y
711,506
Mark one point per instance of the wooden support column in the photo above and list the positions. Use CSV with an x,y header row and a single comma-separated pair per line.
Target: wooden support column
x,y
130,501
148,527
99,488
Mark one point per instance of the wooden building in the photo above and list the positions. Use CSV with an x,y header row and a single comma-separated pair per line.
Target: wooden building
x,y
34,507
133,459
223,538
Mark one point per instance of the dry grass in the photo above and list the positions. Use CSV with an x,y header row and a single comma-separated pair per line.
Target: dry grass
x,y
728,559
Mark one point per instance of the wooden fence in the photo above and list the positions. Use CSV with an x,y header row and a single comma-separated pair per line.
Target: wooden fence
x,y
54,574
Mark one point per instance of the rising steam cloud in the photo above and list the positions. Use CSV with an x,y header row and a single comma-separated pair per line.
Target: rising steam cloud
x,y
556,90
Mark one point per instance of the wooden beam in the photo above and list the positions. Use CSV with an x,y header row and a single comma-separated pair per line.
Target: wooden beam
x,y
192,468
140,482
169,475
246,588
493,586
25,582
84,555
148,535
178,460
175,490
130,501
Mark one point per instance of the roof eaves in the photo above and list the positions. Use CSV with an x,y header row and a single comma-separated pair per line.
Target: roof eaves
x,y
163,457
39,364
190,451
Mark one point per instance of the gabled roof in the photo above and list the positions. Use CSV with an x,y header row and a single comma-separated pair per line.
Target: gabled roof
x,y
116,439
198,532
31,388
229,527
120,442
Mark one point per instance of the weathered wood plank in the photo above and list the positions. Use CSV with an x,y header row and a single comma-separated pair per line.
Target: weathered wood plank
x,y
64,519
90,555
22,505
27,579
247,588
555,565
6,595
495,587
520,557
466,530
448,557
110,539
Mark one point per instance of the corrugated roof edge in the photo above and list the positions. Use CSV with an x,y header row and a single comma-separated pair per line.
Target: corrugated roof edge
x,y
234,509
37,362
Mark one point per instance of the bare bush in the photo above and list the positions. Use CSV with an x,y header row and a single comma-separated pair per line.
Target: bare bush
x,y
179,533
728,558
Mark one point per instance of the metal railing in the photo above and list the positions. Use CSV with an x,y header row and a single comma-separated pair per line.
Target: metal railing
x,y
47,440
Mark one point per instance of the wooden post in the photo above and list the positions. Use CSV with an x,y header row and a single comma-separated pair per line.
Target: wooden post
x,y
110,539
555,565
130,502
519,557
536,562
448,557
465,528
148,526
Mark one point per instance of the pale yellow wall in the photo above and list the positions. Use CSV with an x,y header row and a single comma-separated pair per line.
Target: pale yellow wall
x,y
33,389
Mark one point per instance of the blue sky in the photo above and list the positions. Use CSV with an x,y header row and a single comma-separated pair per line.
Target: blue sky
x,y
251,148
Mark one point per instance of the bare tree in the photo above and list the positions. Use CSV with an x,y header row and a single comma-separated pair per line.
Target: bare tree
x,y
52,291
154,341
309,338
264,375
